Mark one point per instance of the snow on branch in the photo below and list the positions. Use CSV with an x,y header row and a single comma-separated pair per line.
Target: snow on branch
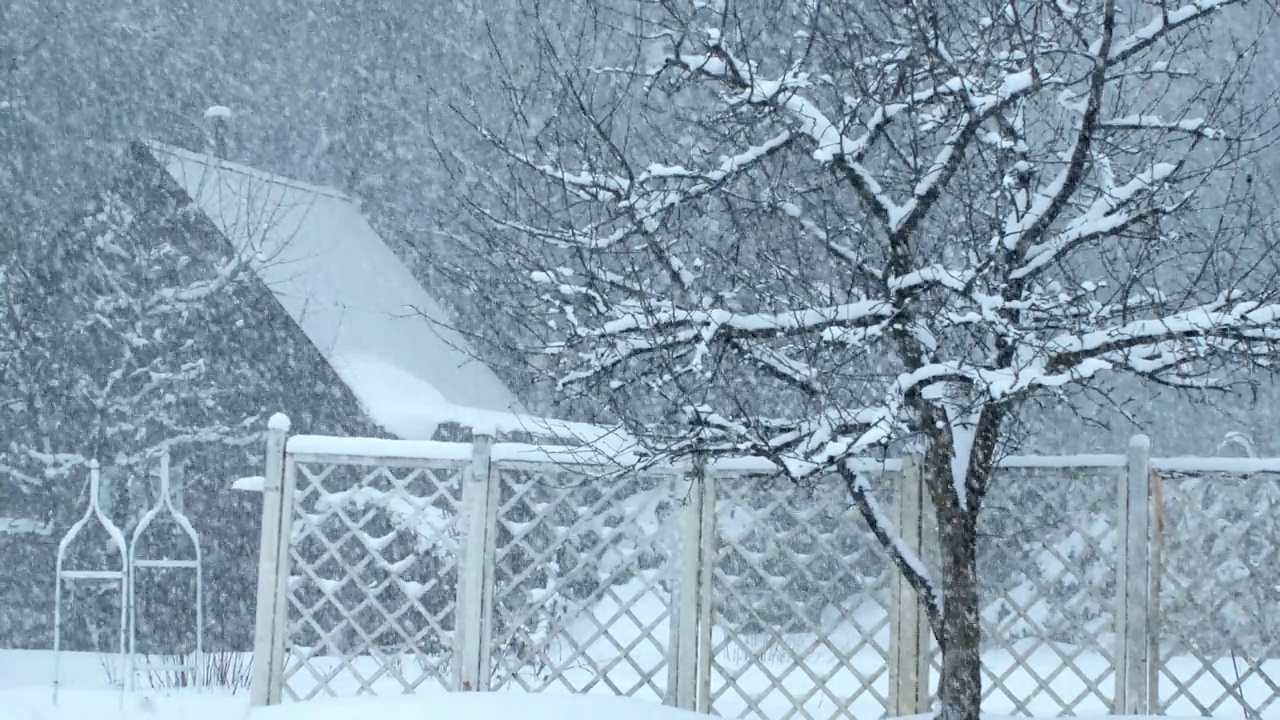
x,y
646,197
832,146
1106,215
1244,321
1161,25
1195,126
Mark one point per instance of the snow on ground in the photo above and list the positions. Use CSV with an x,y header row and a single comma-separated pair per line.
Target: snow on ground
x,y
33,704
26,684
26,694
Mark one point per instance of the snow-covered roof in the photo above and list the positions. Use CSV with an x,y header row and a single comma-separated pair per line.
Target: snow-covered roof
x,y
387,338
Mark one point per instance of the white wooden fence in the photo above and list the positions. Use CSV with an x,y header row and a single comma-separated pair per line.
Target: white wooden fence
x,y
392,567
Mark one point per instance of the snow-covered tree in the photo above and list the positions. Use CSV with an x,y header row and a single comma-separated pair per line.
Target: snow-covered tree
x,y
812,231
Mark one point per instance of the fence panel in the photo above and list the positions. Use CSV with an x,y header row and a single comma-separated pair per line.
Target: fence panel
x,y
1219,632
801,595
374,570
584,579
1047,578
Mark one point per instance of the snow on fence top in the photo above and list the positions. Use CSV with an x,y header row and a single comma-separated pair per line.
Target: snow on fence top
x,y
619,455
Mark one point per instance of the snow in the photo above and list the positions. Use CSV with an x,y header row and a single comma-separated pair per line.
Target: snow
x,y
250,484
25,693
217,111
375,450
1241,466
32,705
336,278
1107,213
482,706
278,421
963,435
903,551
1162,23
1247,318
1194,126
25,526
716,319
412,409
402,403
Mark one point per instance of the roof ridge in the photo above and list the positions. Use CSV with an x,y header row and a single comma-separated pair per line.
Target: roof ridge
x,y
239,169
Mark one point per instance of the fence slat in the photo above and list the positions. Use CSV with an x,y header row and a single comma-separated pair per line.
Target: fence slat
x,y
1132,573
681,677
472,632
908,627
689,669
265,683
706,573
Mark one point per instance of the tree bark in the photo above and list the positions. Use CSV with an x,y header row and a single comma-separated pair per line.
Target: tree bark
x,y
960,685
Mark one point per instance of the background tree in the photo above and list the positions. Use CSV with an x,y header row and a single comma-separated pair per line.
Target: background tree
x,y
137,380
813,231
119,345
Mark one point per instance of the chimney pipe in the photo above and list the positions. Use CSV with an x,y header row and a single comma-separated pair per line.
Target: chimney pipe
x,y
218,118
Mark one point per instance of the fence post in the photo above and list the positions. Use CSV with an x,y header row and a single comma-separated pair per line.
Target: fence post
x,y
473,630
266,679
909,632
1133,568
690,666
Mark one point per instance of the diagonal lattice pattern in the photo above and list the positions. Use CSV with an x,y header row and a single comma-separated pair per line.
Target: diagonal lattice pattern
x,y
585,573
583,583
1047,587
371,597
800,592
1219,631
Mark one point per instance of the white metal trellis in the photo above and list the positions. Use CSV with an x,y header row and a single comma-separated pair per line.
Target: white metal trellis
x,y
62,574
164,504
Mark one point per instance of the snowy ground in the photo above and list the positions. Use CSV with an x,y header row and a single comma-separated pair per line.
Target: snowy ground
x,y
26,686
32,704
1044,679
843,671
26,693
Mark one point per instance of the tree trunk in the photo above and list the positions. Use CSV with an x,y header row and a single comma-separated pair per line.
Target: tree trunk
x,y
960,685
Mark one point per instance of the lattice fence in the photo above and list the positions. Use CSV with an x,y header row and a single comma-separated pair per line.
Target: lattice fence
x,y
1047,579
585,576
374,552
1109,583
800,603
1219,631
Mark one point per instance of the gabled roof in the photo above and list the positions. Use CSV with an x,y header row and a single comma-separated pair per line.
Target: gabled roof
x,y
348,292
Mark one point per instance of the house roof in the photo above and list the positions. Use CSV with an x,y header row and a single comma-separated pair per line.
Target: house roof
x,y
383,333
